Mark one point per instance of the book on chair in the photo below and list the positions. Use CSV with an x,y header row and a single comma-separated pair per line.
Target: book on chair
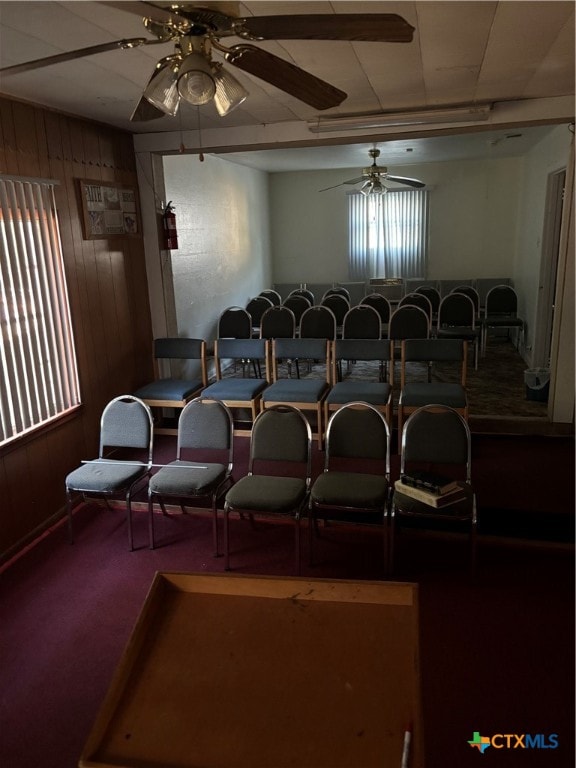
x,y
437,500
429,481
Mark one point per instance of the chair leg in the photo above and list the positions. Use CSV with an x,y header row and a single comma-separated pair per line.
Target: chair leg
x,y
215,528
129,516
391,544
297,543
311,524
226,539
151,542
69,511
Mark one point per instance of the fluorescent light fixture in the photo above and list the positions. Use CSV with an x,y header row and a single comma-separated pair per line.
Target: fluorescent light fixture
x,y
162,90
389,119
196,82
229,92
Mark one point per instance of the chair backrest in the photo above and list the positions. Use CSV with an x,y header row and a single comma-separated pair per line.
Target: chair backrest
x,y
358,430
318,322
361,349
472,293
179,348
338,291
434,351
278,322
281,433
338,304
484,284
256,308
127,422
447,286
176,348
304,292
206,424
238,349
361,322
501,300
456,309
274,296
436,434
408,322
234,323
298,305
418,300
380,304
432,294
300,349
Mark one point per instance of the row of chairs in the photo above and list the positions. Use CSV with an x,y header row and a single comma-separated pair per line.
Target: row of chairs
x,y
457,315
324,389
355,486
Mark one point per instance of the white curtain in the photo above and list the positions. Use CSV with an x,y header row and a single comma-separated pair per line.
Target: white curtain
x,y
388,234
39,378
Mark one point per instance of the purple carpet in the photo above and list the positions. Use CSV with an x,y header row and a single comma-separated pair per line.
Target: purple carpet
x,y
497,655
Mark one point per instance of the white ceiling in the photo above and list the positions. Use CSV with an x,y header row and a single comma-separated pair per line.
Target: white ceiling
x,y
462,53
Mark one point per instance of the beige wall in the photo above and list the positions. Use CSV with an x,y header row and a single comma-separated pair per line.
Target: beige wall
x,y
223,258
473,219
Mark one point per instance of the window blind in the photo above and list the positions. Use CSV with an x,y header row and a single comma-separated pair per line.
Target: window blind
x,y
39,371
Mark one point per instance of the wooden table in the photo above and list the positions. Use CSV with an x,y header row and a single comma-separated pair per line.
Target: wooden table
x,y
231,671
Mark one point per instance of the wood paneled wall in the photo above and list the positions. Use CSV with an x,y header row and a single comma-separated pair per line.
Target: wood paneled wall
x,y
109,302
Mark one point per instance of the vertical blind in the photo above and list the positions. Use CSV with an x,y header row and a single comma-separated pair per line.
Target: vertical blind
x,y
39,378
388,234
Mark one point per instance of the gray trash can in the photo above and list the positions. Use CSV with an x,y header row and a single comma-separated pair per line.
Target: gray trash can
x,y
537,381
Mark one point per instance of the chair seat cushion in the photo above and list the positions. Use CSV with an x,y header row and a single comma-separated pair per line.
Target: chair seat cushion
x,y
235,389
374,393
296,391
267,493
417,394
105,476
168,389
350,489
186,478
407,505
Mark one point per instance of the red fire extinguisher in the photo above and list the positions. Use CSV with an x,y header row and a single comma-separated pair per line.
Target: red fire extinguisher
x,y
170,231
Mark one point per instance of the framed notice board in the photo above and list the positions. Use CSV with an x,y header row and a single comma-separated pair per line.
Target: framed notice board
x,y
109,209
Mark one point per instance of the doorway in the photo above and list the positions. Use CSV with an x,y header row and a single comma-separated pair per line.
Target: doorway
x,y
549,268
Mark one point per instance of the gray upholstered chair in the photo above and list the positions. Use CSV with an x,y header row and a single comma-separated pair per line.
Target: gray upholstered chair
x,y
375,390
206,428
169,390
457,320
280,433
361,322
501,312
126,427
382,306
238,392
357,435
307,393
414,394
436,436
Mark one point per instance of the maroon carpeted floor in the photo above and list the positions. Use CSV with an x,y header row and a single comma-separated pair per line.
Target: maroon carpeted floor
x,y
497,655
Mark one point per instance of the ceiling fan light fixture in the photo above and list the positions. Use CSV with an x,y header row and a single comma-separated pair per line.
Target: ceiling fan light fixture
x,y
373,187
162,90
229,92
196,83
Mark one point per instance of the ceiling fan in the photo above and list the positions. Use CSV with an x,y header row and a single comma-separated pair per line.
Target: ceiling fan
x,y
374,175
190,73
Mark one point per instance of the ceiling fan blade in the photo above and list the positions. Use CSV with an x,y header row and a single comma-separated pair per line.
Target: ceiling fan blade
x,y
286,76
404,180
26,66
376,27
355,181
146,111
